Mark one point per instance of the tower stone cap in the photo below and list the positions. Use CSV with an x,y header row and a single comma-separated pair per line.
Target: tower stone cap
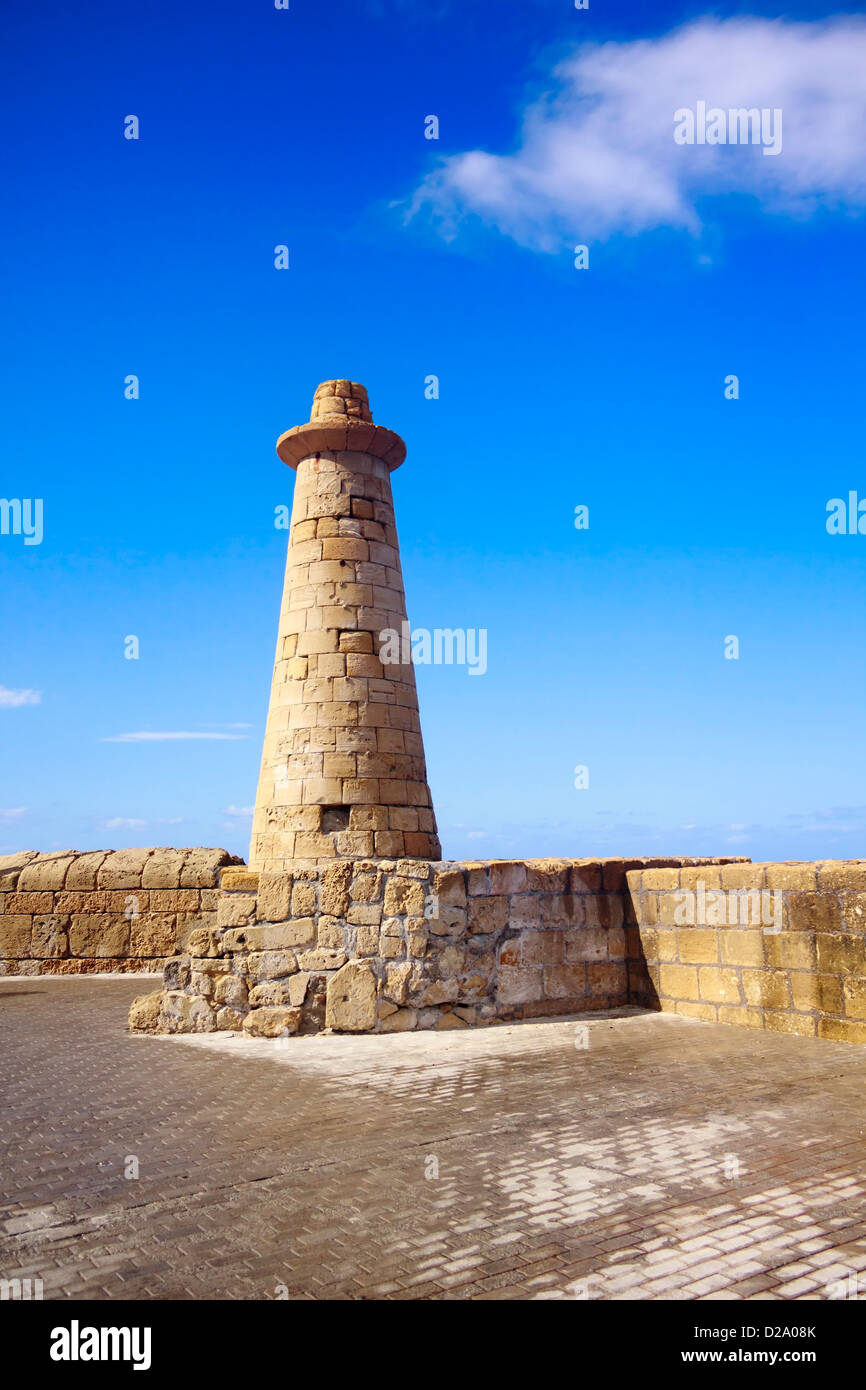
x,y
341,419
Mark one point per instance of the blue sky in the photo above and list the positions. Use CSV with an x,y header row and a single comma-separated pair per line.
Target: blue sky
x,y
558,387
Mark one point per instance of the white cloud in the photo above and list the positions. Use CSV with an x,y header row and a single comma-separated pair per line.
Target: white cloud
x,y
148,737
11,699
12,812
238,810
597,153
123,823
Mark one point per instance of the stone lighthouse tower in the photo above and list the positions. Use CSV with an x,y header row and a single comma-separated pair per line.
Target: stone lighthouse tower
x,y
343,772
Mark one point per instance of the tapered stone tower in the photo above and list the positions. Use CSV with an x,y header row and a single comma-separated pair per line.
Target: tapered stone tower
x,y
343,772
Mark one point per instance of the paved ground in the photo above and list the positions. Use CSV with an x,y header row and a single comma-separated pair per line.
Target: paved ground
x,y
664,1159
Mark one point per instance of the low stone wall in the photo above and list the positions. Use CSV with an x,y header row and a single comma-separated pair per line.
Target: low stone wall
x,y
122,910
774,946
385,946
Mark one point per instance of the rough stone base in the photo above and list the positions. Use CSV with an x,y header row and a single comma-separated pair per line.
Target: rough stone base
x,y
389,946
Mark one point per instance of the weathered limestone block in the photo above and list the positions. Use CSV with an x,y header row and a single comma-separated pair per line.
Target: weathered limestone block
x,y
202,941
402,1021
175,900
321,960
585,878
272,993
269,936
298,985
303,900
176,973
122,869
391,947
334,891
153,934
25,904
853,907
232,990
82,873
185,1013
90,902
441,992
237,878
397,981
188,922
450,961
449,1020
162,869
836,875
272,1022
364,914
605,910
330,934
547,875
15,936
91,935
487,914
565,981
819,912
228,1020
48,937
367,887
270,965
210,965
11,867
46,871
144,1012
507,876
201,868
448,921
236,909
351,999
366,941
404,896
519,985
274,898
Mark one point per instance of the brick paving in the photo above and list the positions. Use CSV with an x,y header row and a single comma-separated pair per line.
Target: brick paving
x,y
666,1159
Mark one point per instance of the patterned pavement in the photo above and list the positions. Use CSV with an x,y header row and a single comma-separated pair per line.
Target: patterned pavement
x,y
610,1157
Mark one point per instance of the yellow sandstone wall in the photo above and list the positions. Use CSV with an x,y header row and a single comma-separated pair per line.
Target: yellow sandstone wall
x,y
795,962
385,945
123,910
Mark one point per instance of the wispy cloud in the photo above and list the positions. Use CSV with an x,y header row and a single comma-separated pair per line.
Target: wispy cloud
x,y
12,812
11,699
597,154
134,823
166,737
238,810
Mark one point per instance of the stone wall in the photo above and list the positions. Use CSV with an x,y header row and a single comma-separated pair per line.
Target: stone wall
x,y
774,946
123,910
385,946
